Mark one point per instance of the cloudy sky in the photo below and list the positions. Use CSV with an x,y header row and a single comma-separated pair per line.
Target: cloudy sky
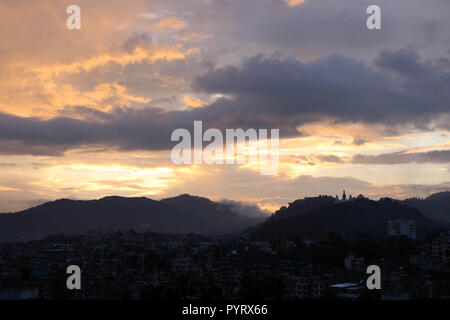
x,y
89,113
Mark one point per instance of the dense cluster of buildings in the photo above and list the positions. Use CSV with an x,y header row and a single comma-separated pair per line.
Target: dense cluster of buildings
x,y
441,247
154,266
401,227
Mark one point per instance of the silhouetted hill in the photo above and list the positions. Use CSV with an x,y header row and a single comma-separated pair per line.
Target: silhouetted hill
x,y
118,213
220,217
303,206
436,206
320,216
189,214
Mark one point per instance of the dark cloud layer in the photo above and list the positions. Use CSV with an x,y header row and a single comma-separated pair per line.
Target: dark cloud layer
x,y
437,156
137,39
403,92
336,87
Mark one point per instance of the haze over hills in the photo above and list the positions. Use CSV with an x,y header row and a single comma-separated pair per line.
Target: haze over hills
x,y
217,217
184,214
189,214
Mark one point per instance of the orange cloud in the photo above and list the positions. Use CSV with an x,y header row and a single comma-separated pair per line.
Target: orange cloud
x,y
105,96
6,188
193,35
28,89
193,102
156,52
293,3
41,51
170,23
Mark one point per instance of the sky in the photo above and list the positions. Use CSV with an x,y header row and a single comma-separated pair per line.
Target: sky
x,y
89,113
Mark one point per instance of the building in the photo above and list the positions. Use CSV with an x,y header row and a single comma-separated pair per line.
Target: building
x,y
400,227
440,246
19,293
183,265
344,198
311,287
353,263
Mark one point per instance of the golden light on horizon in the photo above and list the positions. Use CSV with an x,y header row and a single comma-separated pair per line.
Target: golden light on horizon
x,y
146,60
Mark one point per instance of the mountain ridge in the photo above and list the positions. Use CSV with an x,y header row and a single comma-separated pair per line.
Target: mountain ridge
x,y
435,206
193,214
117,213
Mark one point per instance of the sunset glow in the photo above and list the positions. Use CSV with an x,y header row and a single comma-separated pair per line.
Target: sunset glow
x,y
86,114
